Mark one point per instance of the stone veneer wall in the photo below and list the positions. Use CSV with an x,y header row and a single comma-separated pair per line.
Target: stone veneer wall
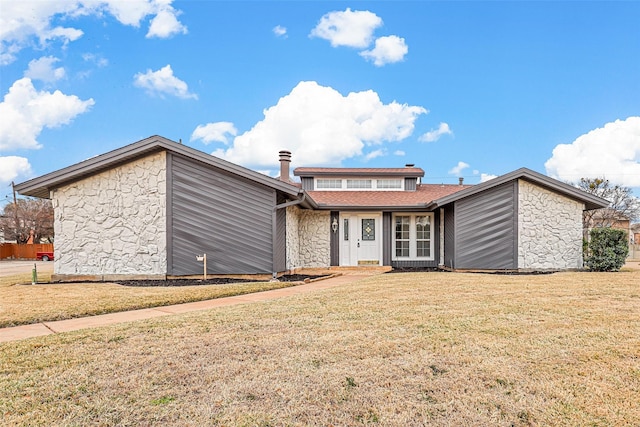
x,y
314,238
113,223
293,241
549,229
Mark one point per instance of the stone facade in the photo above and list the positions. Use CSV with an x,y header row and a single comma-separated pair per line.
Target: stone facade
x,y
313,239
549,229
113,223
293,240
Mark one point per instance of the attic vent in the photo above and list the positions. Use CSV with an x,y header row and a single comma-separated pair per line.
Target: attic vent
x,y
409,165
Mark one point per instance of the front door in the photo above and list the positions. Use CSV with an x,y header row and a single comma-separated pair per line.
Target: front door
x,y
361,239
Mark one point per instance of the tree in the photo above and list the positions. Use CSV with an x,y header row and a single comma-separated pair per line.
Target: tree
x,y
623,205
24,216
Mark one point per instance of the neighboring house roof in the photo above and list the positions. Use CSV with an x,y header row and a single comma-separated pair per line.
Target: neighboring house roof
x,y
590,201
40,187
345,200
408,171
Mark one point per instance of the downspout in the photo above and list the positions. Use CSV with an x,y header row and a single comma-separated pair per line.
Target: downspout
x,y
274,228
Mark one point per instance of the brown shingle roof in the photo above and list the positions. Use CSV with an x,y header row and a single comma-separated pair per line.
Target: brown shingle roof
x,y
424,194
406,171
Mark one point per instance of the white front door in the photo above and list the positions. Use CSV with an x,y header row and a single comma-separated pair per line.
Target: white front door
x,y
361,239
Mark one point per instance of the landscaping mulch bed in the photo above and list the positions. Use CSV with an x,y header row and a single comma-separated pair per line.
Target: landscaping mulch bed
x,y
498,272
212,281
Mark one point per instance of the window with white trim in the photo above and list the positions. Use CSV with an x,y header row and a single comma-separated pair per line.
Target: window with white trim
x,y
413,236
389,183
358,183
328,183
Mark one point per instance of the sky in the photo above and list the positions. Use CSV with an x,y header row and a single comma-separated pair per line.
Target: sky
x,y
460,89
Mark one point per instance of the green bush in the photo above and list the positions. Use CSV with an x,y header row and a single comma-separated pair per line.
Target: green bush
x,y
607,249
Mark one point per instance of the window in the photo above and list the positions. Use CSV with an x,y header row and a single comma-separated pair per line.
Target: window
x,y
329,183
423,236
346,229
389,183
402,236
413,236
358,183
368,229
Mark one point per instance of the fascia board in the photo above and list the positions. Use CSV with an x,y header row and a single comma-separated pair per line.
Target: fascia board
x,y
40,186
590,201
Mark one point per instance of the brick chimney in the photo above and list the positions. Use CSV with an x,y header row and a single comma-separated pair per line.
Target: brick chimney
x,y
285,162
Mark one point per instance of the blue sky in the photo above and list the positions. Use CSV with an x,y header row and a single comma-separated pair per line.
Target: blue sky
x,y
472,89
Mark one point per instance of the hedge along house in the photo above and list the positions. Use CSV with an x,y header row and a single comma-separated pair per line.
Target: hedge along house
x,y
147,209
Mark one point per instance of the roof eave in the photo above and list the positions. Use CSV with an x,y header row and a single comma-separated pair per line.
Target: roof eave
x,y
590,201
418,207
415,174
41,186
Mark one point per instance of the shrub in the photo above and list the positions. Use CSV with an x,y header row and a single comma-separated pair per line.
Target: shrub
x,y
607,249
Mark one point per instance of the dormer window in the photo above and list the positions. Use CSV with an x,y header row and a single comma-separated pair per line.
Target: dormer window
x,y
328,183
389,184
358,183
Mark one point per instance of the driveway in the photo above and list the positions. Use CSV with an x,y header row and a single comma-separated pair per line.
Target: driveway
x,y
13,267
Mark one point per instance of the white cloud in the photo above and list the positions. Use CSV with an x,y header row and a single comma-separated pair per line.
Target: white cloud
x,y
435,134
42,69
486,177
163,82
387,50
12,167
375,153
22,22
348,28
165,24
214,132
458,168
612,151
25,112
96,59
399,153
280,31
320,126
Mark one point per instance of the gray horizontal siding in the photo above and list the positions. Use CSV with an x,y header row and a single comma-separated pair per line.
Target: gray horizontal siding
x,y
485,230
410,184
227,217
307,183
449,236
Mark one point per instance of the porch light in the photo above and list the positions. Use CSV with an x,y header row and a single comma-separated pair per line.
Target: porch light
x,y
334,225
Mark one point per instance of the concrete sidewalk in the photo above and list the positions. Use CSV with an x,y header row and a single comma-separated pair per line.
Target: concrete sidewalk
x,y
47,328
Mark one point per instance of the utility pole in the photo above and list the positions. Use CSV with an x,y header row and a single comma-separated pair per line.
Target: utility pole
x,y
15,210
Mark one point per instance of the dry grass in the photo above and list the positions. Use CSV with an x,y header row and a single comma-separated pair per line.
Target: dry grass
x,y
43,277
392,350
24,304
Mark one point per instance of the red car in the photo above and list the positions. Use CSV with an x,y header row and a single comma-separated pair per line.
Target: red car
x,y
44,256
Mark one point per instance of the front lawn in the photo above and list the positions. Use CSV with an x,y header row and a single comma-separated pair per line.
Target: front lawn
x,y
391,350
24,304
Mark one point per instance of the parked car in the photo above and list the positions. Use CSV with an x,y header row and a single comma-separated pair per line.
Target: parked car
x,y
44,256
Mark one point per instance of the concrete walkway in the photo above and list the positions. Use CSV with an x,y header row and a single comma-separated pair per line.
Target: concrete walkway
x,y
59,326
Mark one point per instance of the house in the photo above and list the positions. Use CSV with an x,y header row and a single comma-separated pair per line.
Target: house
x,y
147,209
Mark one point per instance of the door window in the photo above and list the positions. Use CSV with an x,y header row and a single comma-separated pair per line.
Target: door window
x,y
368,229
